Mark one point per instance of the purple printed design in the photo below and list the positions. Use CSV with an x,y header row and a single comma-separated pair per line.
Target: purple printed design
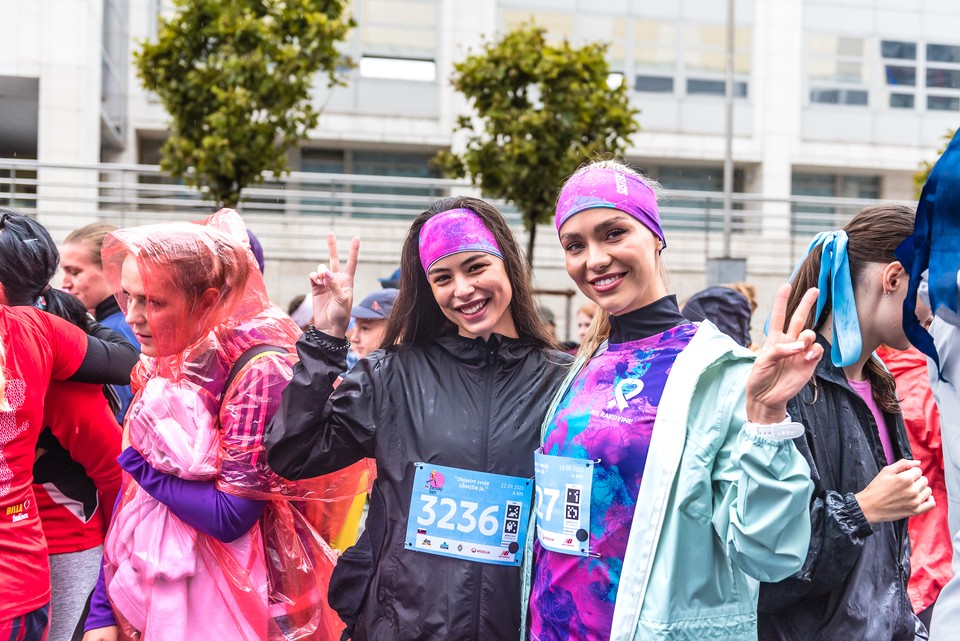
x,y
452,232
607,414
601,187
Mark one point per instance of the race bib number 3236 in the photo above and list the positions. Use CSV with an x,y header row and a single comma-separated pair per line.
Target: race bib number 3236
x,y
469,515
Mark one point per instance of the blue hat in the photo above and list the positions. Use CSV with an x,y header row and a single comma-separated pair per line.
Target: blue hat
x,y
392,282
376,306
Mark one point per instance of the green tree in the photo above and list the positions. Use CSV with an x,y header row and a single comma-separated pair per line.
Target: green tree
x,y
920,178
541,110
235,78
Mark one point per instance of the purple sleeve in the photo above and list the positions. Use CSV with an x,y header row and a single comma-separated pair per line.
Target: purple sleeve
x,y
101,613
199,504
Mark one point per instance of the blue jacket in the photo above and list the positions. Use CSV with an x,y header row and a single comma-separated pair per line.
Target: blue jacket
x,y
108,314
720,509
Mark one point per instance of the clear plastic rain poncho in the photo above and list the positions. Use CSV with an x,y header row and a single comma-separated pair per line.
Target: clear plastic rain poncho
x,y
206,304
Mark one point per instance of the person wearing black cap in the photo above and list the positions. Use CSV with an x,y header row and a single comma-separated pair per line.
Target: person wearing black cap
x,y
726,308
370,320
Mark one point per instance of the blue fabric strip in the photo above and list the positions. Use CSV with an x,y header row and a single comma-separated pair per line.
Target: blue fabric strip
x,y
835,283
934,246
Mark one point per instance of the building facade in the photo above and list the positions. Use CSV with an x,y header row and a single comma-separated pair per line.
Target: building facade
x,y
833,98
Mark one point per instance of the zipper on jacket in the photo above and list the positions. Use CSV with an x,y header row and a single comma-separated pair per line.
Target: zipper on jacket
x,y
490,358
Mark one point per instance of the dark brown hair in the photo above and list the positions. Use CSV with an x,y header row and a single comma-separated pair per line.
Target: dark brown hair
x,y
417,318
873,235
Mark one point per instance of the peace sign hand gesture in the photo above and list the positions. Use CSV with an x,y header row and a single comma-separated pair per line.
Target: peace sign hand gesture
x,y
786,361
332,290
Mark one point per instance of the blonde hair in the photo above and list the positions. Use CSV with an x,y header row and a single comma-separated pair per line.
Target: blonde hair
x,y
92,236
599,329
4,405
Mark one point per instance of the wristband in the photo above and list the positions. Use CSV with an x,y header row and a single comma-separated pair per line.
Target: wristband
x,y
329,343
785,429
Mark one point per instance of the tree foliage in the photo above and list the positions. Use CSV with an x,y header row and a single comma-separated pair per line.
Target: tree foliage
x,y
920,178
541,110
235,77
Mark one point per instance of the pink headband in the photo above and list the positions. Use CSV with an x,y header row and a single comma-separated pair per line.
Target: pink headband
x,y
603,187
454,231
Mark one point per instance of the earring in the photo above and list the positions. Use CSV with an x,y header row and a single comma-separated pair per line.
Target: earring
x,y
886,294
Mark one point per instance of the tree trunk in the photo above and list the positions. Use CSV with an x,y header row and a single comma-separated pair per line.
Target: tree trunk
x,y
530,241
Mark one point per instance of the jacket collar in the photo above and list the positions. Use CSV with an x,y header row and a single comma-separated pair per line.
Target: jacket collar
x,y
650,320
107,307
476,351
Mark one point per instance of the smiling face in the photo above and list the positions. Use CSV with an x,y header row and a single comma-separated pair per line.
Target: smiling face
x,y
474,293
166,313
613,259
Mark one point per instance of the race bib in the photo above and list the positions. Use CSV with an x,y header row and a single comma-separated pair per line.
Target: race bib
x,y
563,503
468,515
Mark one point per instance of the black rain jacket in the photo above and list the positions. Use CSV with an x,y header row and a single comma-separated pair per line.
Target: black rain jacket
x,y
458,402
853,584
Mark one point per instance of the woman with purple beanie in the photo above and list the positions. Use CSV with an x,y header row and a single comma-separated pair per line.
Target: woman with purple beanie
x,y
667,483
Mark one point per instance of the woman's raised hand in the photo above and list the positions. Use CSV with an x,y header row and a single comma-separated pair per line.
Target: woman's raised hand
x,y
786,361
332,290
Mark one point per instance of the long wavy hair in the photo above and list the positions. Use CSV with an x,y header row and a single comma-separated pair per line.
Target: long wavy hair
x,y
873,235
416,318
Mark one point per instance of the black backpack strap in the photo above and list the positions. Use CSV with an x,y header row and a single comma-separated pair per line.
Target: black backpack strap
x,y
245,358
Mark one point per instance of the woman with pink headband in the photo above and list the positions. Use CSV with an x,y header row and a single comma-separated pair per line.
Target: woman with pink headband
x,y
449,408
667,482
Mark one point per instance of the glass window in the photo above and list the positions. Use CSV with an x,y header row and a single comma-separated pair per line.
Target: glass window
x,y
809,219
654,45
898,50
558,25
836,46
705,60
897,75
655,58
943,78
697,86
943,53
838,96
943,103
901,100
322,161
838,71
611,32
398,69
656,84
399,28
379,163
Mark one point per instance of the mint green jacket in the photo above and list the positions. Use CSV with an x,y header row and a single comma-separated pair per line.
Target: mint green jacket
x,y
719,509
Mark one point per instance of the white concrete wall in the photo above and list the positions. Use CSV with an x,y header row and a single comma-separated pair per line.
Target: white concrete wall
x,y
59,42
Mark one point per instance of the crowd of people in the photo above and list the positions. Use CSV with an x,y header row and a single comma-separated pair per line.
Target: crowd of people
x,y
181,459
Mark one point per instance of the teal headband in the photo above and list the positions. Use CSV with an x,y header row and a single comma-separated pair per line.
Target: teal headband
x,y
835,283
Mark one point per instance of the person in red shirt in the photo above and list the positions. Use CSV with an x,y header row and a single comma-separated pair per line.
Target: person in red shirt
x,y
930,552
76,482
35,348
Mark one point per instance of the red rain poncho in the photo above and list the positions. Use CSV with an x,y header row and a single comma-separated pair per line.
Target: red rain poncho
x,y
930,551
163,577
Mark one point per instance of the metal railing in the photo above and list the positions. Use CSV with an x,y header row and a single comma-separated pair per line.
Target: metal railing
x,y
771,232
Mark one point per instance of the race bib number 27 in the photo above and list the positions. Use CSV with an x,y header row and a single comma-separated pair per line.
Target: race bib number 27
x,y
469,515
563,503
